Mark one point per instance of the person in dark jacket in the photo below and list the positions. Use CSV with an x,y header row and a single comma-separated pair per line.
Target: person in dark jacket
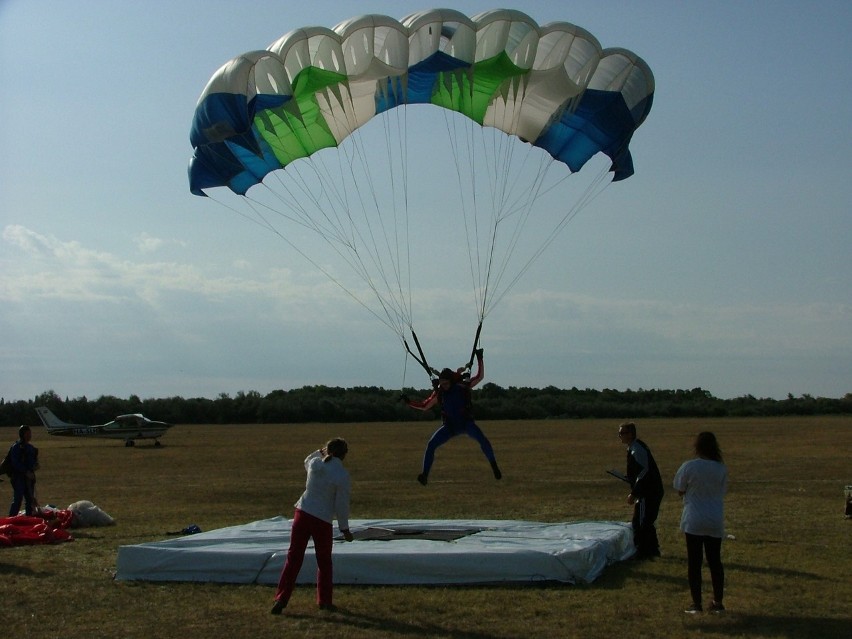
x,y
646,492
23,457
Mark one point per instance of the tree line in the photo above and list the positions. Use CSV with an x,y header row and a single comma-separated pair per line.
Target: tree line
x,y
329,404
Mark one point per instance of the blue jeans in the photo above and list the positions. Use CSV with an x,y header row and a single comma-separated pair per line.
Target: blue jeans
x,y
445,433
22,492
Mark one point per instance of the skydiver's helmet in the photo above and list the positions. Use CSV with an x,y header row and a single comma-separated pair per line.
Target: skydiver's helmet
x,y
448,374
23,429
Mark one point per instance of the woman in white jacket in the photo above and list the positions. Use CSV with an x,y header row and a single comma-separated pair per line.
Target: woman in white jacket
x,y
703,482
326,495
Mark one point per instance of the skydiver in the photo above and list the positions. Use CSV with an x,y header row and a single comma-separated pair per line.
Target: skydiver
x,y
452,393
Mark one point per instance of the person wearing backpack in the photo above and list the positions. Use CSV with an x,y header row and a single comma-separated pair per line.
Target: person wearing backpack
x,y
23,458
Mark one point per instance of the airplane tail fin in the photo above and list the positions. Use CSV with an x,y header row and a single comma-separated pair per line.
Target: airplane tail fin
x,y
50,420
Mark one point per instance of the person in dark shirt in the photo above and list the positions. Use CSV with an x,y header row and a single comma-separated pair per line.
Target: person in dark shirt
x,y
452,393
646,492
23,457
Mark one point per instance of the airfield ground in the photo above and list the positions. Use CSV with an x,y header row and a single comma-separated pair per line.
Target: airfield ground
x,y
787,566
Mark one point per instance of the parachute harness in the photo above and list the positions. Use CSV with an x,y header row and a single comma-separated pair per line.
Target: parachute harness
x,y
420,358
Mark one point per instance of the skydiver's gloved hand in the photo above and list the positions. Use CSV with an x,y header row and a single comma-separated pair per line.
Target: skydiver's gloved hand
x,y
479,352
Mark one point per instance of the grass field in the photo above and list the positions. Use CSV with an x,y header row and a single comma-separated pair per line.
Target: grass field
x,y
788,570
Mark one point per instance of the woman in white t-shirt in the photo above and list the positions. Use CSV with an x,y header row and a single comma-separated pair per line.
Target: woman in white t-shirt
x,y
703,482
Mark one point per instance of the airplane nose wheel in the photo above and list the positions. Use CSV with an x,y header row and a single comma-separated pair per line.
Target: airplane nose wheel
x,y
157,443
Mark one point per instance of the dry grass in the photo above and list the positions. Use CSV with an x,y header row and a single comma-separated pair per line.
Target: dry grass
x,y
788,570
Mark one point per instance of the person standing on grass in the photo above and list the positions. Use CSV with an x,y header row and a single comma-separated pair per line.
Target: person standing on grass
x,y
646,492
326,496
452,393
702,483
23,457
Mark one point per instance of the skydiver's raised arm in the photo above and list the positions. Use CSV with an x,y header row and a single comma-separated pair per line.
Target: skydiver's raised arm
x,y
424,404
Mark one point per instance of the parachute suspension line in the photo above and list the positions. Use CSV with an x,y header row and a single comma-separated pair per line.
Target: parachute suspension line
x,y
403,156
334,232
401,240
492,146
400,249
463,171
500,170
591,192
470,151
361,240
259,220
402,137
397,243
349,224
523,208
404,370
264,223
369,238
321,203
468,141
497,145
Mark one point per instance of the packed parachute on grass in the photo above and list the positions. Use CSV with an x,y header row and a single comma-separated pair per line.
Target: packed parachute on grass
x,y
51,525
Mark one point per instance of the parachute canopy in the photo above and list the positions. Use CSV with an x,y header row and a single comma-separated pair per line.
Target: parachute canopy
x,y
552,86
523,106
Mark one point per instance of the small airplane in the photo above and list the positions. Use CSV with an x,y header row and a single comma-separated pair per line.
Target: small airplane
x,y
126,427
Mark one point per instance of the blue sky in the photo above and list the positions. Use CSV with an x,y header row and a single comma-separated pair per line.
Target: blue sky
x,y
724,263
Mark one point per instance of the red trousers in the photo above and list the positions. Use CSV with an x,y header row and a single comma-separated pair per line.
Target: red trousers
x,y
305,527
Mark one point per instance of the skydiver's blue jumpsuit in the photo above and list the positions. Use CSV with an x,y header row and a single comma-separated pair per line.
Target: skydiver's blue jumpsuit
x,y
457,419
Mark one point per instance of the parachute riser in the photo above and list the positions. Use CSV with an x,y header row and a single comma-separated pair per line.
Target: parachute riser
x,y
475,346
420,358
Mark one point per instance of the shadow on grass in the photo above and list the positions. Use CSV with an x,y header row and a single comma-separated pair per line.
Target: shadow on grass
x,y
744,625
615,575
17,570
374,623
78,534
774,571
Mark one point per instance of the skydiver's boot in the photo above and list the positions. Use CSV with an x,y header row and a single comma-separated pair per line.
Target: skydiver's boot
x,y
423,478
278,607
496,469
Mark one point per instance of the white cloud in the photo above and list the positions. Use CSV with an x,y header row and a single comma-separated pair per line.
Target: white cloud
x,y
225,322
54,269
146,243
